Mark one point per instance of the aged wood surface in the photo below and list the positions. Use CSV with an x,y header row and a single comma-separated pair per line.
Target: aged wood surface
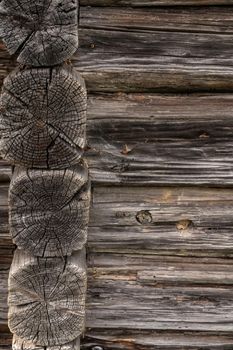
x,y
154,3
47,298
161,139
118,296
19,344
153,49
41,33
159,221
49,210
159,247
158,139
32,137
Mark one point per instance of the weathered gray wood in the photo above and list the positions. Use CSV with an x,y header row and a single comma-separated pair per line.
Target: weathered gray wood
x,y
44,33
179,222
138,55
20,344
148,340
47,298
118,299
139,139
49,210
154,3
161,139
43,117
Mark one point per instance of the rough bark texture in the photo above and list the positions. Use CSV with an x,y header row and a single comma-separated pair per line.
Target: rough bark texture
x,y
47,298
49,210
43,117
41,33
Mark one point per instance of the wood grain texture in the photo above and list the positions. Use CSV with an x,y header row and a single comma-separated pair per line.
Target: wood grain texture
x,y
19,344
49,210
43,117
154,49
157,139
44,33
47,298
160,139
154,3
181,49
160,221
120,302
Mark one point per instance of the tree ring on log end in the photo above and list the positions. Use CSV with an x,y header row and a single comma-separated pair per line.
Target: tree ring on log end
x,y
42,32
47,298
22,344
43,117
49,210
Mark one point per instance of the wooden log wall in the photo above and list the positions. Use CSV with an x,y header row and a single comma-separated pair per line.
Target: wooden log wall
x,y
43,134
159,129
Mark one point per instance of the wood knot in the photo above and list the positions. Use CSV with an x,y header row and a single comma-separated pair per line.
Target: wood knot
x,y
144,217
183,224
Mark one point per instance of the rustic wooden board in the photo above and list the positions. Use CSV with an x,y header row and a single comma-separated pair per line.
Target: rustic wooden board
x,y
159,221
118,297
159,139
147,340
152,3
151,50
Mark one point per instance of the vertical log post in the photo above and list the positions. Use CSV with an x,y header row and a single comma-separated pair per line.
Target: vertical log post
x,y
43,133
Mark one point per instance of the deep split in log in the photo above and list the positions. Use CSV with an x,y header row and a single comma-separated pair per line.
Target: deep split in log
x,y
20,344
49,210
43,117
41,33
47,298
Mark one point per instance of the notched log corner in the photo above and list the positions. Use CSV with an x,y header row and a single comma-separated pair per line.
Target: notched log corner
x,y
49,210
43,117
41,33
47,298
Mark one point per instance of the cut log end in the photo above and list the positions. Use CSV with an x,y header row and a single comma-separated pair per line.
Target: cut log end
x,y
43,117
47,298
42,33
21,344
49,210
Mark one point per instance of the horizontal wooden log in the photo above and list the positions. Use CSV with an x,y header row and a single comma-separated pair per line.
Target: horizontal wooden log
x,y
43,118
170,49
156,49
49,210
168,221
147,340
153,340
19,344
119,299
42,34
154,3
159,139
160,221
47,298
